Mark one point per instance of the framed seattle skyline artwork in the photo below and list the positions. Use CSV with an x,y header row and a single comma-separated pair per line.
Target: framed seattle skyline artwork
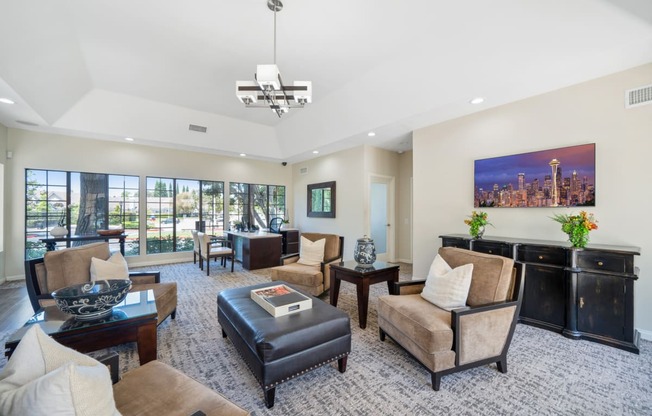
x,y
563,177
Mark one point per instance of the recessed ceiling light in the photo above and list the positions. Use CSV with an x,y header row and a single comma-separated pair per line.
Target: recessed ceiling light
x,y
315,151
477,100
6,101
129,139
243,154
371,134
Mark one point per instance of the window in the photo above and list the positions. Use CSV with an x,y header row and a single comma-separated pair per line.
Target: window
x,y
177,206
253,206
81,202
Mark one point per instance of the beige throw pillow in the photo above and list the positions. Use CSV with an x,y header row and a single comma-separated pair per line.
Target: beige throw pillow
x,y
311,253
43,377
445,287
113,268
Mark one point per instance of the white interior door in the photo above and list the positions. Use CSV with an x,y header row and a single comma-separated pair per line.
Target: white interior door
x,y
381,216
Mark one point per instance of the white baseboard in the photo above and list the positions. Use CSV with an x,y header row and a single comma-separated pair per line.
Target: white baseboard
x,y
646,335
15,278
408,261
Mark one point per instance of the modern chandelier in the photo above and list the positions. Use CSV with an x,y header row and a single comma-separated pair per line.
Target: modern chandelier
x,y
268,90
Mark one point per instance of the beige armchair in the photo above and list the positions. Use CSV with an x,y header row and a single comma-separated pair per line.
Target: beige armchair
x,y
446,342
70,266
312,279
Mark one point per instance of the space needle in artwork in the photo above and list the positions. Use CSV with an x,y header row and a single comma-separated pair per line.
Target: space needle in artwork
x,y
554,164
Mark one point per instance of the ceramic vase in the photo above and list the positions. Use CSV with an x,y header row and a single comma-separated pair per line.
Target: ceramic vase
x,y
365,252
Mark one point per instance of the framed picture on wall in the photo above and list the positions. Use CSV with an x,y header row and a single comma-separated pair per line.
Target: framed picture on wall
x,y
563,177
321,200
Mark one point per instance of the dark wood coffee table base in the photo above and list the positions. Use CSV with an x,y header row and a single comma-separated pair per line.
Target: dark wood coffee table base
x,y
362,279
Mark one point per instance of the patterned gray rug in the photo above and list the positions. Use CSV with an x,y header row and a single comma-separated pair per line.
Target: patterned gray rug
x,y
548,374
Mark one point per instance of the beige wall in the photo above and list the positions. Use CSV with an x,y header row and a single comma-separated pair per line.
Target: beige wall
x,y
352,170
404,208
591,112
45,151
3,161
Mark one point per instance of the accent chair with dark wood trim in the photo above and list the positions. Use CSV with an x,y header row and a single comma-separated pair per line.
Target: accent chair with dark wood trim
x,y
312,279
446,342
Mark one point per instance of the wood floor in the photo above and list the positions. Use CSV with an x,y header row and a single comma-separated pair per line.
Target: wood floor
x,y
15,308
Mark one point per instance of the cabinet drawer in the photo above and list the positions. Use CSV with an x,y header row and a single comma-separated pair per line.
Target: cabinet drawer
x,y
492,247
454,242
609,262
544,255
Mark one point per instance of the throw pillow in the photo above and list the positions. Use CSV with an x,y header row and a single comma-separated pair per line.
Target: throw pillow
x,y
446,287
43,377
113,268
311,253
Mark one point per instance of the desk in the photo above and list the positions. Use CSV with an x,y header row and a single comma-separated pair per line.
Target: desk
x,y
133,320
362,277
256,250
51,243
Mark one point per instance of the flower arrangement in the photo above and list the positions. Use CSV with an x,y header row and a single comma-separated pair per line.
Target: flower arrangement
x,y
477,221
577,227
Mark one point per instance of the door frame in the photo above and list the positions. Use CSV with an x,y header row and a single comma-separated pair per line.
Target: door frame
x,y
390,181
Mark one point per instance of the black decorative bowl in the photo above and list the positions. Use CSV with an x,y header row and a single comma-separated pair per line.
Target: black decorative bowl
x,y
92,300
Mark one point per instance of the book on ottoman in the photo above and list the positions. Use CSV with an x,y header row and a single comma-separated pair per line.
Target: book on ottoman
x,y
281,300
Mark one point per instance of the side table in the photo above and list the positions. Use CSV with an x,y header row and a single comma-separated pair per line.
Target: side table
x,y
133,320
362,277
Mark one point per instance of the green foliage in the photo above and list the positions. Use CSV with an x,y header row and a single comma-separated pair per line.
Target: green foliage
x,y
476,222
577,227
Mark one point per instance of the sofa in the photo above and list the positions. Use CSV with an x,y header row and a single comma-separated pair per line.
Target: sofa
x,y
314,279
159,389
70,266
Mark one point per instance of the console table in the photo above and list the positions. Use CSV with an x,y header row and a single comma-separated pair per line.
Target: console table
x,y
51,243
584,293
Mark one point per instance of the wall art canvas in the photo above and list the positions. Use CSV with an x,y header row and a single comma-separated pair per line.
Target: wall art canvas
x,y
563,177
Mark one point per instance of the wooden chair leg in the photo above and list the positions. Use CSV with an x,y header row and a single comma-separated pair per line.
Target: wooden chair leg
x,y
232,262
381,334
436,381
208,266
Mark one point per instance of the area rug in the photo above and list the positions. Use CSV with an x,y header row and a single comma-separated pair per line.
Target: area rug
x,y
547,373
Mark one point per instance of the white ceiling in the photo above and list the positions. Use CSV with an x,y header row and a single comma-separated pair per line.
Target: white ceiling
x,y
109,69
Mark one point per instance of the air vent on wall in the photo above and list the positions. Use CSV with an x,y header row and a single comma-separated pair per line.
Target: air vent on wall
x,y
194,127
638,96
303,171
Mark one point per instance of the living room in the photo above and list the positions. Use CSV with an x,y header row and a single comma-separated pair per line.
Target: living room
x,y
434,182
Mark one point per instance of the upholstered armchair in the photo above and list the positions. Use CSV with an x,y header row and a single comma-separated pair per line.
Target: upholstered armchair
x,y
70,266
449,341
312,278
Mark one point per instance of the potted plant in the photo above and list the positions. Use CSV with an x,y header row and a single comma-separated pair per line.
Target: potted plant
x,y
477,222
577,227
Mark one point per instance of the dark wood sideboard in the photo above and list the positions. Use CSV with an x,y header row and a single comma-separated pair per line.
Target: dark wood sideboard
x,y
583,293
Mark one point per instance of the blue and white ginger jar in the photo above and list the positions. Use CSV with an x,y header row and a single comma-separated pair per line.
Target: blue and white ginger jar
x,y
365,252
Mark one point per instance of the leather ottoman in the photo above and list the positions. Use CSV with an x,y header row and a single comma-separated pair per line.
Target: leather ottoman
x,y
279,349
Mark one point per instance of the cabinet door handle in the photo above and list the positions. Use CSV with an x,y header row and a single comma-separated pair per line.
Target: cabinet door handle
x,y
581,302
600,264
490,251
540,257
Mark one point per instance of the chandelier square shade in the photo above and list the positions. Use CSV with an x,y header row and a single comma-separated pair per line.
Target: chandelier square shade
x,y
268,90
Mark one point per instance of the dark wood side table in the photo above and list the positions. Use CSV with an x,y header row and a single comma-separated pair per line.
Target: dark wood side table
x,y
133,320
362,277
51,243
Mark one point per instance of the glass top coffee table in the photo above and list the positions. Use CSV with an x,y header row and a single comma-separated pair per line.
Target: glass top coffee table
x,y
133,320
362,277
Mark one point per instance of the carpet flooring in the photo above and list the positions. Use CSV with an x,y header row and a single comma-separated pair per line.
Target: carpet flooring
x,y
547,373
